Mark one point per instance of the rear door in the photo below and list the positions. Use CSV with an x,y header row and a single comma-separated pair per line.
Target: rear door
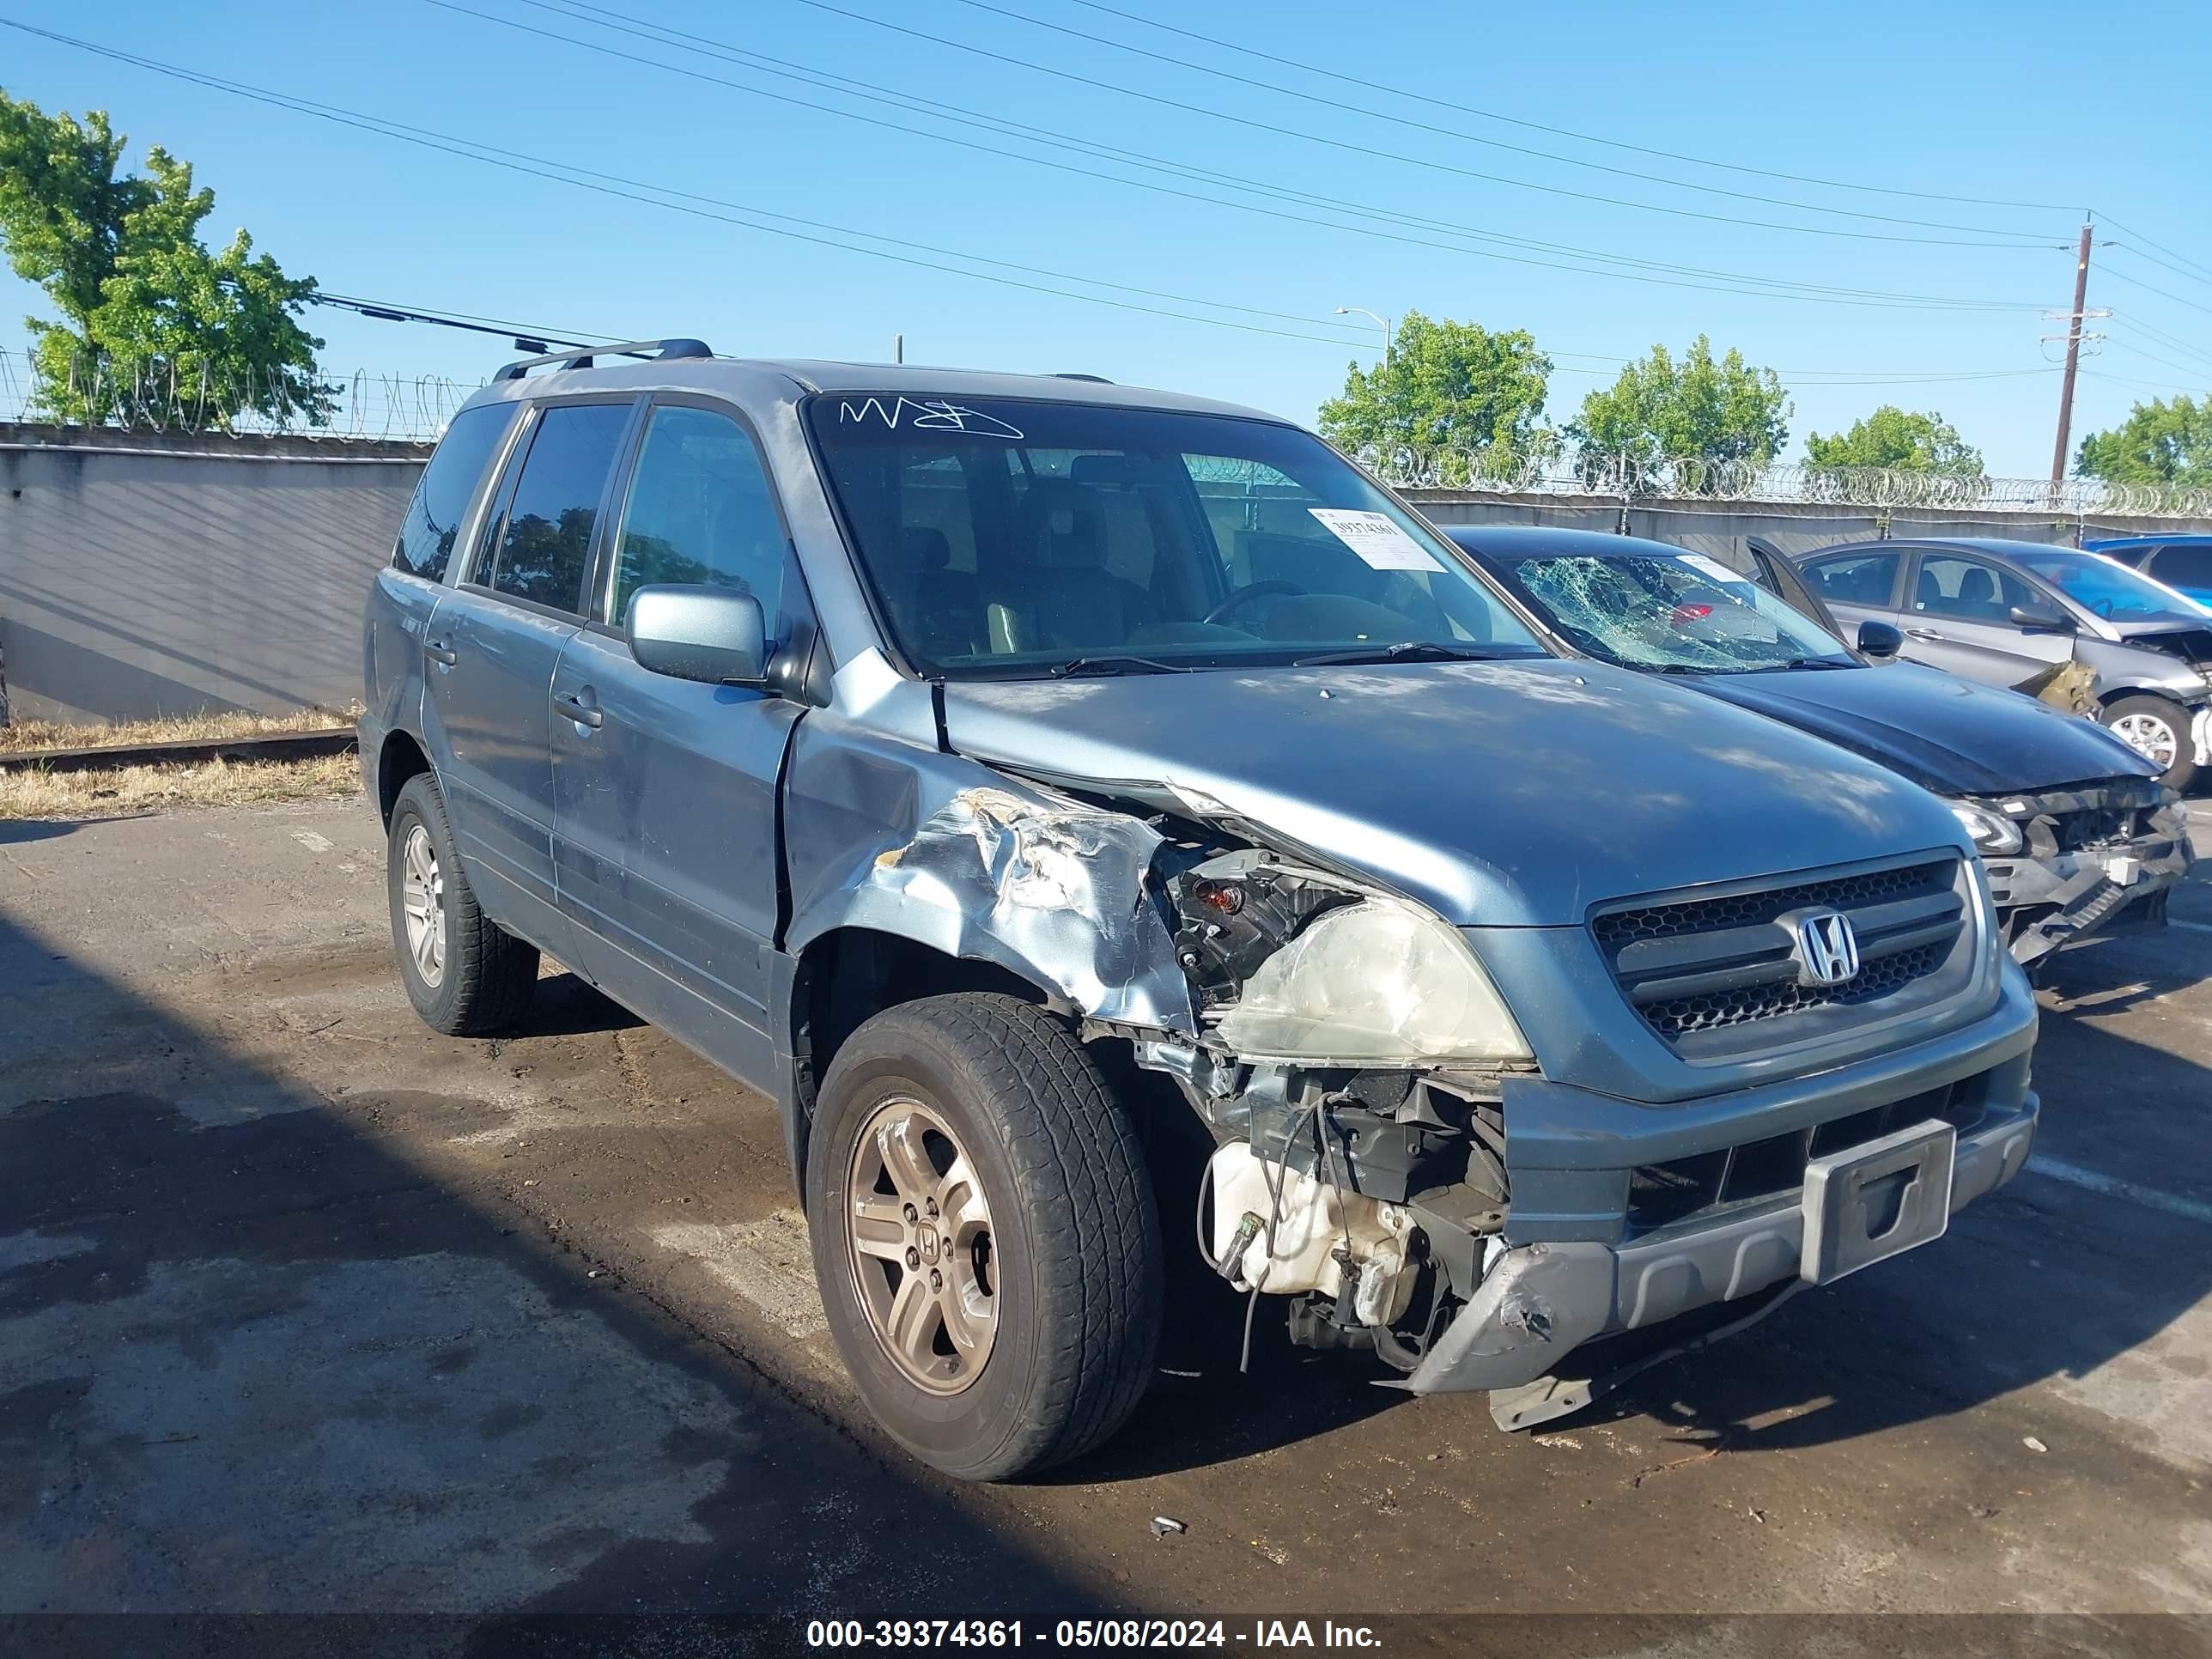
x,y
665,790
1858,586
1960,620
492,644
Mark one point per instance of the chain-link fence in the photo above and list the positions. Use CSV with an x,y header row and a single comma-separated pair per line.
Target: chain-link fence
x,y
1638,478
161,397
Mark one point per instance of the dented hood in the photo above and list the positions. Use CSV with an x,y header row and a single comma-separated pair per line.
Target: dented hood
x,y
1946,733
1504,795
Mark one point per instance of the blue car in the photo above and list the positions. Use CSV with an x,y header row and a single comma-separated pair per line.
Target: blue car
x,y
2182,562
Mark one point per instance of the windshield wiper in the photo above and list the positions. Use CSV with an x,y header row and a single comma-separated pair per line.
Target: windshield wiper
x,y
1799,662
1403,651
1115,665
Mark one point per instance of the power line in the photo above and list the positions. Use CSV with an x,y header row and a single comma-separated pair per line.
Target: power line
x,y
2114,224
469,149
1454,132
1565,132
1370,150
1001,126
2137,282
1728,282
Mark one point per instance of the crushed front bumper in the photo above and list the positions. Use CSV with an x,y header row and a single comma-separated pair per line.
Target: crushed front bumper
x,y
2048,897
1549,1291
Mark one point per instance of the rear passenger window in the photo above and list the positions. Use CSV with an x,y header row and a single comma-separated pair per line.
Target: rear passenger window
x,y
546,542
434,517
2186,567
700,512
1860,579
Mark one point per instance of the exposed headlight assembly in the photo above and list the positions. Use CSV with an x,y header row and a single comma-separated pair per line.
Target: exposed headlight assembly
x,y
1991,832
1376,982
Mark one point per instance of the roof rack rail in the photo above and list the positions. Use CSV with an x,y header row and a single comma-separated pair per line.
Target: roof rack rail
x,y
1070,374
581,356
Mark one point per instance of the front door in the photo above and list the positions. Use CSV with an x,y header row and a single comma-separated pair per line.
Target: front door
x,y
665,790
1960,619
493,643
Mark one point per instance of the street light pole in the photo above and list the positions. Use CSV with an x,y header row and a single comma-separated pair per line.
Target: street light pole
x,y
1388,327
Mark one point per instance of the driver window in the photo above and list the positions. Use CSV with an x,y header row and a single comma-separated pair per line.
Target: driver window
x,y
1967,590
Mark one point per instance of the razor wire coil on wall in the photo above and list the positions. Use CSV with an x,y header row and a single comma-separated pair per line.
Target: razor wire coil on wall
x,y
1637,478
162,398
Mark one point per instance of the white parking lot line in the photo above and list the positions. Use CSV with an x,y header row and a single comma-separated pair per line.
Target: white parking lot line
x,y
2056,1169
2192,926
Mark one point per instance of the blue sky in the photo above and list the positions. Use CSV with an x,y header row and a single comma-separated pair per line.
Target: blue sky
x,y
1963,100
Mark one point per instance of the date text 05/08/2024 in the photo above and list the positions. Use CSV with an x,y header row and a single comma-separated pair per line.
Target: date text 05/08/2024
x,y
1087,1633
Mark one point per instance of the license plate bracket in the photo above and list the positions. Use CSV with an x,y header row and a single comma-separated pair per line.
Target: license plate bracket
x,y
1867,1203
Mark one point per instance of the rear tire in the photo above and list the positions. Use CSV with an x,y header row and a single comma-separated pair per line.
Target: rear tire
x,y
465,975
2157,729
1050,1259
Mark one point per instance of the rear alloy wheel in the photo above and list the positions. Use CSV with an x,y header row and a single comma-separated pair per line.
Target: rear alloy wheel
x,y
984,1235
465,975
2157,731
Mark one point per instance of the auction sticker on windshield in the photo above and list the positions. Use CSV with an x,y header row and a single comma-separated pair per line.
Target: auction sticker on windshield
x,y
1377,538
1713,570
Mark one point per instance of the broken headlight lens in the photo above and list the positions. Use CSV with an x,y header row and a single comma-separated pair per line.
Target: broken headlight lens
x,y
1377,983
1991,832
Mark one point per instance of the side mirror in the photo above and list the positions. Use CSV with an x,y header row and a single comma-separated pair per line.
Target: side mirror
x,y
2044,619
715,634
1880,641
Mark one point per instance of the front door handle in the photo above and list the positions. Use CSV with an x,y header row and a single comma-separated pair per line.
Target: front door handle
x,y
583,709
1922,634
439,652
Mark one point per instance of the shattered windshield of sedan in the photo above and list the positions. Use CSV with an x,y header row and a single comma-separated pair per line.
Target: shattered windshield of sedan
x,y
1673,611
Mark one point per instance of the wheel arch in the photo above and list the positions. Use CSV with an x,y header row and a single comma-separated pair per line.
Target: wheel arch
x,y
843,977
400,758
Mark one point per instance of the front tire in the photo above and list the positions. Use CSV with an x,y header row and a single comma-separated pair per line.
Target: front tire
x,y
2158,729
465,974
984,1235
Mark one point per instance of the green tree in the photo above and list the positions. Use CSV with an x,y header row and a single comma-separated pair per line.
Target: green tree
x,y
1698,408
2160,442
1456,390
149,313
1893,437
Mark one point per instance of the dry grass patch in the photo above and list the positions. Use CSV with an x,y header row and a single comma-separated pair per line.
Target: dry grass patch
x,y
31,792
28,737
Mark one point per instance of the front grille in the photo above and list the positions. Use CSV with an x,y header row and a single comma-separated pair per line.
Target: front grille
x,y
1685,1189
1698,967
1683,1015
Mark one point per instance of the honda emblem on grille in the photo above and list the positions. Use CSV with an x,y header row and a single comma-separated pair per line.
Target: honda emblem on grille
x,y
1827,949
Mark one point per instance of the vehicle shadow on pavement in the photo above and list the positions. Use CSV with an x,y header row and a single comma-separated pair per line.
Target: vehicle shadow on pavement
x,y
251,1360
2045,1282
17,832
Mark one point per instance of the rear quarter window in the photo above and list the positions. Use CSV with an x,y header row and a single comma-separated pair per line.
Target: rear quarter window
x,y
448,483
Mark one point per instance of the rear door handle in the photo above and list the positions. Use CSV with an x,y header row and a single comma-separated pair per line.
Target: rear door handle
x,y
1922,634
439,652
583,709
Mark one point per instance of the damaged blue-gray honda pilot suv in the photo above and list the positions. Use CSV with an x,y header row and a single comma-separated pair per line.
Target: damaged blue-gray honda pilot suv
x,y
1055,796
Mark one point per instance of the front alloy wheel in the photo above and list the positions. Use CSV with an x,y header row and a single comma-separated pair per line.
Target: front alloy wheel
x,y
921,1246
2157,731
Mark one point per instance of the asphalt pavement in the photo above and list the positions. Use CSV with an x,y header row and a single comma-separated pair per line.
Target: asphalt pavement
x,y
303,1307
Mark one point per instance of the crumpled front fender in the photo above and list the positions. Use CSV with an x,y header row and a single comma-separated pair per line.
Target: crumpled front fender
x,y
907,841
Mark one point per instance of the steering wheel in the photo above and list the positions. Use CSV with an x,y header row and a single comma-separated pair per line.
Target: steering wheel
x,y
2102,607
1249,591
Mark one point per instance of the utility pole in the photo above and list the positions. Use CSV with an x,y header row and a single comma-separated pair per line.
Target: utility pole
x,y
2073,356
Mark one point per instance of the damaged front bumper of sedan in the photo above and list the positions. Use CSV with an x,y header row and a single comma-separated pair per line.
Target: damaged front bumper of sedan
x,y
2082,864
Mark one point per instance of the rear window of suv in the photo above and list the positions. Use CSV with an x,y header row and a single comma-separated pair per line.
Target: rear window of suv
x,y
434,517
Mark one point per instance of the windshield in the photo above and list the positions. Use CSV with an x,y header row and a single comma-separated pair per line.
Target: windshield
x,y
2109,588
1670,611
1012,539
